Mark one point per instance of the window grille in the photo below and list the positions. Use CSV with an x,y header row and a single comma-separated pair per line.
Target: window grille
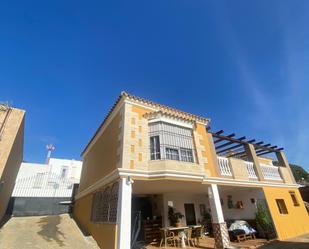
x,y
95,203
104,204
155,148
169,141
113,203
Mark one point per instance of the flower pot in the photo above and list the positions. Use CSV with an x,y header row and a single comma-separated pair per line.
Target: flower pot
x,y
177,224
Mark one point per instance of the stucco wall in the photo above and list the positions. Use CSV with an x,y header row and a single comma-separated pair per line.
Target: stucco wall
x,y
179,199
296,222
239,169
205,150
104,156
136,138
244,195
11,155
104,234
136,146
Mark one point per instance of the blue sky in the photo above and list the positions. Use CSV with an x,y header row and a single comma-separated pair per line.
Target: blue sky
x,y
244,64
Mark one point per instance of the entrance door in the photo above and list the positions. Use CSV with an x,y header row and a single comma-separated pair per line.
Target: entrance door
x,y
190,214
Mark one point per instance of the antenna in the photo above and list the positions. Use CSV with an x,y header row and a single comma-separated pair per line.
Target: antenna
x,y
49,148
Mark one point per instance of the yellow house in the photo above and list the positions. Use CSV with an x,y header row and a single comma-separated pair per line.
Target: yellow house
x,y
146,158
12,123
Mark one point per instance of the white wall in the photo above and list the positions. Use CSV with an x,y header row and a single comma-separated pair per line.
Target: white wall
x,y
30,169
179,199
74,167
41,180
244,195
237,193
55,166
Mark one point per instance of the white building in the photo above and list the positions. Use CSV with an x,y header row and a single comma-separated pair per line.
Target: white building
x,y
55,179
41,189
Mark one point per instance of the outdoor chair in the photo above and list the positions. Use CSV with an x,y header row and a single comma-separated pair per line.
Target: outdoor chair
x,y
167,237
189,238
198,233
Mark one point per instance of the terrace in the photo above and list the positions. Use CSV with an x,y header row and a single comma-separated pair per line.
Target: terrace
x,y
243,159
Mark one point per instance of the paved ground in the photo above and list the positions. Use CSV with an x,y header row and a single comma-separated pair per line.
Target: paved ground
x,y
43,232
60,231
301,242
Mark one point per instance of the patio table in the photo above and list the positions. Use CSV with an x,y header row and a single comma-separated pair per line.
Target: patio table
x,y
181,233
195,226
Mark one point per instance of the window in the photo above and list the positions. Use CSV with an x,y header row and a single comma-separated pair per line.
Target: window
x,y
172,154
294,198
113,203
172,142
155,148
64,170
186,155
104,204
38,181
281,206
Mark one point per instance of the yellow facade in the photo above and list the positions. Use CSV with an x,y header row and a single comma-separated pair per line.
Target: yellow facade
x,y
208,152
123,142
102,158
12,122
105,234
267,161
296,222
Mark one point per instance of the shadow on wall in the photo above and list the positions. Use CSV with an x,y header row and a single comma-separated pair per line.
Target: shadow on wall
x,y
50,230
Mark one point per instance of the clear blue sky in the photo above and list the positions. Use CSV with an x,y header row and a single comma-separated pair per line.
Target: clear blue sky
x,y
244,64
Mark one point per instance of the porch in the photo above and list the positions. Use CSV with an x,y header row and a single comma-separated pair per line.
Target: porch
x,y
151,201
209,243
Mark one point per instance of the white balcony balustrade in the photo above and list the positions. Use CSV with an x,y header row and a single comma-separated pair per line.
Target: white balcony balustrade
x,y
270,172
224,166
250,170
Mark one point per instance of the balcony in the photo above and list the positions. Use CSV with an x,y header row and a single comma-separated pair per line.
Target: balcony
x,y
244,170
244,159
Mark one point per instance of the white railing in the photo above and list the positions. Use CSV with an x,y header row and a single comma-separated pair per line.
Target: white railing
x,y
43,185
224,166
250,170
270,172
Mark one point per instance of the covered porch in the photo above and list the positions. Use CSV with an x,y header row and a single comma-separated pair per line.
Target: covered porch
x,y
209,243
214,207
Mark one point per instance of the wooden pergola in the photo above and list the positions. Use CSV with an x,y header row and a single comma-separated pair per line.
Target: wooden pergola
x,y
231,146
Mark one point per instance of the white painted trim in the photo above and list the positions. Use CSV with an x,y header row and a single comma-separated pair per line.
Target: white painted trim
x,y
124,214
100,183
123,173
104,126
141,105
160,173
215,204
233,182
172,121
157,109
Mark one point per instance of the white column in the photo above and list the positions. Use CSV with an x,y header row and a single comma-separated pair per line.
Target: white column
x,y
124,213
215,204
220,231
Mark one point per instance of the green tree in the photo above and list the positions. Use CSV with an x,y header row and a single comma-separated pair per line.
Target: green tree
x,y
300,174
